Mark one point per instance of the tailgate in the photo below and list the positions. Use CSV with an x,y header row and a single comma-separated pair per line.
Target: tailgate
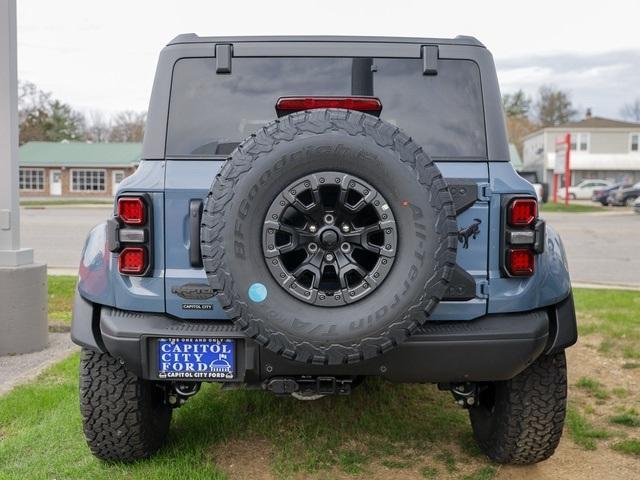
x,y
467,295
187,292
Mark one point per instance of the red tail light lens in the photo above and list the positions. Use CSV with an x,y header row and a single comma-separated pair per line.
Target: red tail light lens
x,y
286,105
521,262
523,212
132,261
131,210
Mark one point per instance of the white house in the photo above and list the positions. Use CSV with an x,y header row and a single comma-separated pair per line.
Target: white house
x,y
600,148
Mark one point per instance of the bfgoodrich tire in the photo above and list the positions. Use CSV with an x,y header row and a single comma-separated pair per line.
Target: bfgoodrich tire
x,y
520,421
410,205
124,418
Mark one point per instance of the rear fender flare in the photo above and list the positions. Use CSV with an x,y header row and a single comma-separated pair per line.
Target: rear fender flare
x,y
550,284
94,273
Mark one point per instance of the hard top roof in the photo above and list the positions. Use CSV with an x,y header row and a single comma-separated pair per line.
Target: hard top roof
x,y
458,40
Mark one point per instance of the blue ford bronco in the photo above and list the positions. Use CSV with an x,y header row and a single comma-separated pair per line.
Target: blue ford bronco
x,y
312,211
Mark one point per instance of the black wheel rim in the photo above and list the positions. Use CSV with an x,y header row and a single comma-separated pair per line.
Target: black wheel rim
x,y
329,239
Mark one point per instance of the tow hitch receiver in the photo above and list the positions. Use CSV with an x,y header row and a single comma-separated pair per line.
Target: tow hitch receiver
x,y
466,395
308,386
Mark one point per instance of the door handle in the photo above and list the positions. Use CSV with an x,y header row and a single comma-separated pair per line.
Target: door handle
x,y
195,218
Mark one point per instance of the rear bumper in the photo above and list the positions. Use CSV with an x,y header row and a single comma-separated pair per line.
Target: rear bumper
x,y
491,348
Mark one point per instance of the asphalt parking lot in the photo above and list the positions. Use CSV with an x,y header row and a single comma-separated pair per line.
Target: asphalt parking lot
x,y
602,247
57,234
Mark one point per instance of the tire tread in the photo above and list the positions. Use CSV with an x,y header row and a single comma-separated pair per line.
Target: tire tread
x,y
122,418
285,130
528,417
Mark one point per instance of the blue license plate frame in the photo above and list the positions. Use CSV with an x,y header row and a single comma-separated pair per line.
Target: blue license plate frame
x,y
196,358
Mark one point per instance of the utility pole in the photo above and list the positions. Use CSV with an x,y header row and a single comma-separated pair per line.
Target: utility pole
x,y
23,284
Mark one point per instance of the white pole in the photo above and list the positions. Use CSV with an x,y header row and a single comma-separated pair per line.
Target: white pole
x,y
10,252
23,284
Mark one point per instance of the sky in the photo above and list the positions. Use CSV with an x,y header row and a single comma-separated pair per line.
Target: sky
x,y
102,55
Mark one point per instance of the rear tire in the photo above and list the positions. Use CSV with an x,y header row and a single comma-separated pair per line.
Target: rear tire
x,y
124,417
520,421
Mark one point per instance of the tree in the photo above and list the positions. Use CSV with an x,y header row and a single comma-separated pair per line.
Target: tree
x,y
128,126
553,107
30,98
516,108
631,111
518,128
63,123
516,104
44,118
97,127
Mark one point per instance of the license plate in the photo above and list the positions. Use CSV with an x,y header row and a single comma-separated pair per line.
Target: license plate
x,y
196,358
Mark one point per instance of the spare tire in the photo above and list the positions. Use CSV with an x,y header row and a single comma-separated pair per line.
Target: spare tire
x,y
331,236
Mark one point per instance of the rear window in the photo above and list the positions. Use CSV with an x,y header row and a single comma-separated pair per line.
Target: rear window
x,y
211,113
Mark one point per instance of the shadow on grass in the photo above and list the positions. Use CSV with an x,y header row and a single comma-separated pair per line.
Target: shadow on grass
x,y
378,420
407,425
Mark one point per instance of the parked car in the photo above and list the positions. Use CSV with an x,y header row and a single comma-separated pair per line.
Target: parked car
x,y
625,196
584,190
601,195
285,232
636,205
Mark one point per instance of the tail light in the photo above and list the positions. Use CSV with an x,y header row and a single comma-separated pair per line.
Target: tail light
x,y
523,212
132,261
131,210
130,234
524,236
287,105
521,262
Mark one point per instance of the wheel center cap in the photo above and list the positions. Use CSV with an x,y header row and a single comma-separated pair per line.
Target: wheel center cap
x,y
329,238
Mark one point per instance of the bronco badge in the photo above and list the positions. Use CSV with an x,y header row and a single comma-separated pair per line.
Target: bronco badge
x,y
472,231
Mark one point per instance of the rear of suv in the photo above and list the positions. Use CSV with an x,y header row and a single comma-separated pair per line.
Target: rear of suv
x,y
313,211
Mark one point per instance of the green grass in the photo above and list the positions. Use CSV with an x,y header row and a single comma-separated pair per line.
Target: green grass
x,y
594,387
398,426
448,460
429,472
620,392
629,447
395,464
61,291
613,314
380,421
484,473
572,208
630,365
629,418
76,201
581,431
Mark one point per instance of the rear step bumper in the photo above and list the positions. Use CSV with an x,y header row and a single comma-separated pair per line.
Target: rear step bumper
x,y
494,347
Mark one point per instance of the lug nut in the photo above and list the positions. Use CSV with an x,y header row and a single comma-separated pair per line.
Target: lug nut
x,y
328,218
345,247
329,257
313,228
312,247
345,228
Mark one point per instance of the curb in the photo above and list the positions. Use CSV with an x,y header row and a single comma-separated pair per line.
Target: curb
x,y
51,354
606,286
